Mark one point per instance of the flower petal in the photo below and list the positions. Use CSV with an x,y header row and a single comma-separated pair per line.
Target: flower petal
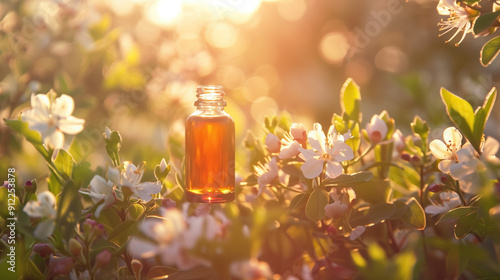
x,y
341,151
44,229
317,138
312,168
335,210
333,169
290,151
142,249
490,147
63,106
54,139
71,125
439,150
453,138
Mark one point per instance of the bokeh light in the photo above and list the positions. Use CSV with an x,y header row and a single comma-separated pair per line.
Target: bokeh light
x,y
334,47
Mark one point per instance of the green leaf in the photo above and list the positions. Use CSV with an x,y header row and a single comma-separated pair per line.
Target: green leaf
x,y
470,123
350,100
347,180
483,113
121,232
315,206
483,22
466,224
64,163
69,210
372,215
490,51
297,201
415,216
462,115
32,136
457,213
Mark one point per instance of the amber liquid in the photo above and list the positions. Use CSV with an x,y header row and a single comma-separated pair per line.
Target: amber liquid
x,y
210,159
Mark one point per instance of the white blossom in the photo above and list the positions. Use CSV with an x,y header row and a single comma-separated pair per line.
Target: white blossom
x,y
131,178
250,269
376,129
44,207
329,152
447,151
458,18
52,118
448,201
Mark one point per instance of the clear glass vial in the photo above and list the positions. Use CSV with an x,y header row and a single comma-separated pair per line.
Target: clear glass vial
x,y
210,149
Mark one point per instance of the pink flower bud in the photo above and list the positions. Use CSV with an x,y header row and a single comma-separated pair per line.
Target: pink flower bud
x,y
405,156
298,132
273,143
435,187
331,230
43,250
168,203
416,161
376,129
102,259
61,266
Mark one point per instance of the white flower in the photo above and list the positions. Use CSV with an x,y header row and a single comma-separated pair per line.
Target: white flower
x,y
44,207
340,202
52,117
447,151
376,129
250,269
267,174
448,201
174,236
102,189
273,143
356,232
289,147
471,169
458,18
329,151
131,178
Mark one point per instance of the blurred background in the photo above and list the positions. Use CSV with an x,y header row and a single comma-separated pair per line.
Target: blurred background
x,y
133,66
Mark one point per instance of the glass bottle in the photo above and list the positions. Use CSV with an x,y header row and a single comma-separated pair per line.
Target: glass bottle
x,y
210,149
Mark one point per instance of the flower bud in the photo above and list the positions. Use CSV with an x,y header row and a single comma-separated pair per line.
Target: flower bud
x,y
405,156
168,203
43,250
416,161
435,187
417,140
331,230
102,259
273,143
61,266
298,132
443,178
75,247
28,186
376,129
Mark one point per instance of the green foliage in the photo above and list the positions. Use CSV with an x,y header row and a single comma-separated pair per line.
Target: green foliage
x,y
470,123
350,100
490,51
415,215
315,207
69,210
483,22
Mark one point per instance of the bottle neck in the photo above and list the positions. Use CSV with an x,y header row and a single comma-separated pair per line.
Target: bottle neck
x,y
210,98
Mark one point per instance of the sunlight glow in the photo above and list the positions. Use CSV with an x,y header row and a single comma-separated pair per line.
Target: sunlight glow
x,y
334,47
164,12
221,35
